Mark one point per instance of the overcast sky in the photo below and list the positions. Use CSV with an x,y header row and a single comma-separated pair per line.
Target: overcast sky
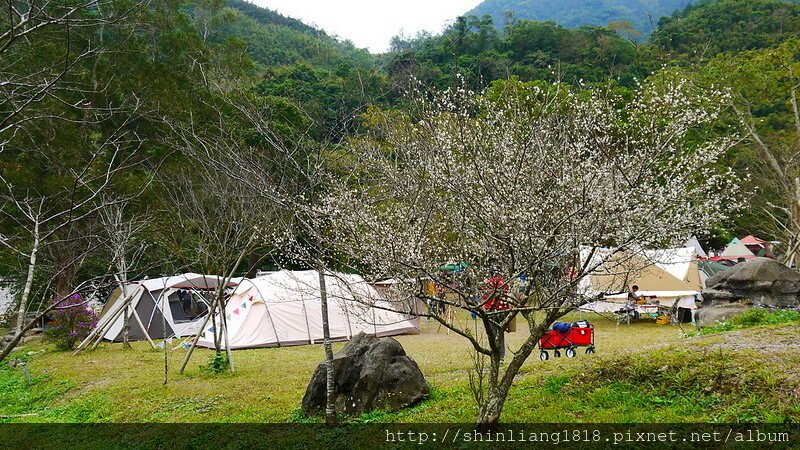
x,y
372,23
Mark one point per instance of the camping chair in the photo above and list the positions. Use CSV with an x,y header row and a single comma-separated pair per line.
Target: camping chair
x,y
627,314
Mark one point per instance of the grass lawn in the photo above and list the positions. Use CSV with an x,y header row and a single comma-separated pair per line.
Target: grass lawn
x,y
641,372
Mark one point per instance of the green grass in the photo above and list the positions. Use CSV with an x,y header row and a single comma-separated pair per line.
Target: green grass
x,y
754,318
642,373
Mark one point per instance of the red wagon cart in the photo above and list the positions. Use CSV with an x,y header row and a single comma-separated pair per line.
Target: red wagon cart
x,y
568,336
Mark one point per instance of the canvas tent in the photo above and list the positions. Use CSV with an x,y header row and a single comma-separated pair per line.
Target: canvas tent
x,y
284,308
694,243
666,275
178,302
737,250
708,269
757,246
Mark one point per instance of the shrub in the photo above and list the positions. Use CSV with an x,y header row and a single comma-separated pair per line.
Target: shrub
x,y
754,318
758,317
217,364
72,321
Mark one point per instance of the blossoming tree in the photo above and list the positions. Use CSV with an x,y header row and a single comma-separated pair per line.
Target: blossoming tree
x,y
517,180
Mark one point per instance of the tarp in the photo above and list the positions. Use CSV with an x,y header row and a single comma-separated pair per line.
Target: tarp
x,y
284,308
454,267
757,246
752,240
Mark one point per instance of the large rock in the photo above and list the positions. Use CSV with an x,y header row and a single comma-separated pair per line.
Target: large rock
x,y
370,374
759,281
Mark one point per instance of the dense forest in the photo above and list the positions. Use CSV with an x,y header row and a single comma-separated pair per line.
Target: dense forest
x,y
643,15
114,111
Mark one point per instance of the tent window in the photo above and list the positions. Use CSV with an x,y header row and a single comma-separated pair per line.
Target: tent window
x,y
185,307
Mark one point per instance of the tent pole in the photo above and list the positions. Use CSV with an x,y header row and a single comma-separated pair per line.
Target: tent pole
x,y
144,330
275,330
101,332
224,320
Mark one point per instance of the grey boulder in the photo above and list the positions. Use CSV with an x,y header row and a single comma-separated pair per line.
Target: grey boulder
x,y
370,374
758,281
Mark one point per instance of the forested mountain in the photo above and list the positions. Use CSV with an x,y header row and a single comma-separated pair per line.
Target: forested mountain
x,y
318,81
274,40
526,49
710,27
643,15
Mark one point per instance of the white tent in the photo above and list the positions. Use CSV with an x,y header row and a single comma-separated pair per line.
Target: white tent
x,y
284,308
178,302
694,243
6,297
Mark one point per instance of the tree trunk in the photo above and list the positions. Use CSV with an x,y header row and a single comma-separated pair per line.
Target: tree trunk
x,y
122,283
224,320
330,393
126,326
252,265
492,407
126,318
15,340
794,224
26,291
197,337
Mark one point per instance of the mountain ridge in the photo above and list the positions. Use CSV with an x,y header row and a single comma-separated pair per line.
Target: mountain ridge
x,y
643,15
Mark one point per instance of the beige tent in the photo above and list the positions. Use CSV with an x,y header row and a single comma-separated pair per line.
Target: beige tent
x,y
665,275
736,250
284,308
621,271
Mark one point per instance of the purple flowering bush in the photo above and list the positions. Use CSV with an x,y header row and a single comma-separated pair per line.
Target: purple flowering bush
x,y
72,321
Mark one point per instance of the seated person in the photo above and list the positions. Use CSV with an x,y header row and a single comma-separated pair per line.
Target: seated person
x,y
634,298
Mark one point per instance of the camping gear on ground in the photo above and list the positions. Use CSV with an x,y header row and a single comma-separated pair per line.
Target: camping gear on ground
x,y
626,315
561,326
662,320
567,336
284,308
